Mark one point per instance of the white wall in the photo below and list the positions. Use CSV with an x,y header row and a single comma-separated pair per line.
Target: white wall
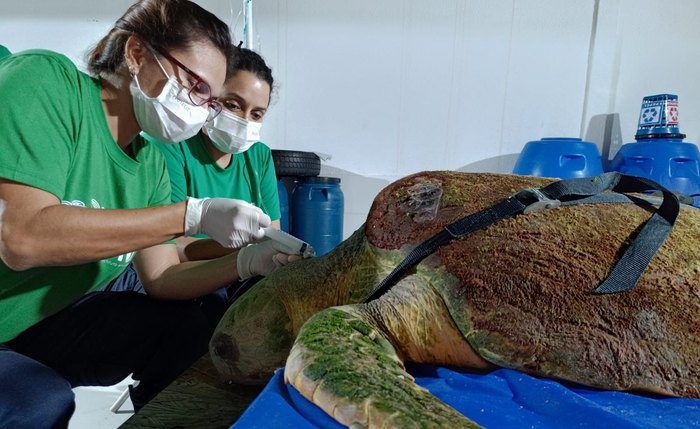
x,y
393,87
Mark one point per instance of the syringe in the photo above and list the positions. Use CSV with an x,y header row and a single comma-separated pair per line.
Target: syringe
x,y
294,244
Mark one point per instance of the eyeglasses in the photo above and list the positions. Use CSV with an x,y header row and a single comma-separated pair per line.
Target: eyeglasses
x,y
199,92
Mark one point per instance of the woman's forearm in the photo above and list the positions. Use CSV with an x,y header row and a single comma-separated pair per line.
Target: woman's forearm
x,y
189,280
197,249
35,231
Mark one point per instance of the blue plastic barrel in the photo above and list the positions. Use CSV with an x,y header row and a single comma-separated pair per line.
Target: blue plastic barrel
x,y
562,157
669,162
284,206
317,212
659,153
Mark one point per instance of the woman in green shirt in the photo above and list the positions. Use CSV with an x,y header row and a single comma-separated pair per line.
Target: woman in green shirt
x,y
81,193
225,160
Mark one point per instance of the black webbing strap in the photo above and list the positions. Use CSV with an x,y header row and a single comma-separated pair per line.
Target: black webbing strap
x,y
629,268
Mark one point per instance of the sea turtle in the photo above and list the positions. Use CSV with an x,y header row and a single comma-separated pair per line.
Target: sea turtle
x,y
516,294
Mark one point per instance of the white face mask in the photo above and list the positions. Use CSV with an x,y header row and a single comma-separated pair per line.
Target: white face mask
x,y
231,134
170,117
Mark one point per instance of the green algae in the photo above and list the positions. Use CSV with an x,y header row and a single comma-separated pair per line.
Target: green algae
x,y
358,368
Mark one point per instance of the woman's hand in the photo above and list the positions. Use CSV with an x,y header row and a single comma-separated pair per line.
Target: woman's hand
x,y
231,222
262,259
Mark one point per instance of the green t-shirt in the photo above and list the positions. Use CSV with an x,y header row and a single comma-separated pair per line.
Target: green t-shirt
x,y
54,136
250,176
4,52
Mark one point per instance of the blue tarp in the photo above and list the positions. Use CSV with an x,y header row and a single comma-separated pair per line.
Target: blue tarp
x,y
499,399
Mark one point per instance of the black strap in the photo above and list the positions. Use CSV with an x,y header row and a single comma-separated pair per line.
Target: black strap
x,y
629,268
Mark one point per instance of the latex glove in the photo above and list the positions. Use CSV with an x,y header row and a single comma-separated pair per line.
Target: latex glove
x,y
233,223
262,259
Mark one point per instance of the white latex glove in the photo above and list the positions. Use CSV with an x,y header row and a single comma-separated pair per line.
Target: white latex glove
x,y
233,223
262,259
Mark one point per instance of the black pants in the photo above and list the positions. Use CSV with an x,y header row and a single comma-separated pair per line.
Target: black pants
x,y
213,305
105,336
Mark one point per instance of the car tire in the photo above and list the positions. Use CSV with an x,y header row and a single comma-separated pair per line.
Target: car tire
x,y
293,163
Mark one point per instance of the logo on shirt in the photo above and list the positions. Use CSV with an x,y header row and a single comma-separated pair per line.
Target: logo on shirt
x,y
74,203
77,203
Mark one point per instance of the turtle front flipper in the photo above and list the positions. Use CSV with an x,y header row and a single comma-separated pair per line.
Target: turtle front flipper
x,y
348,361
255,335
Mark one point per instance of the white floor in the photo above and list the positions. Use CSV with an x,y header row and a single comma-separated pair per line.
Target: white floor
x,y
93,404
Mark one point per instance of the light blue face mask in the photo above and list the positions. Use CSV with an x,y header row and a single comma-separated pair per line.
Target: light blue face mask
x,y
231,134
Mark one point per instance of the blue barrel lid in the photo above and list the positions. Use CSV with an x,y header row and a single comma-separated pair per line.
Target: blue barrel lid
x,y
319,179
658,118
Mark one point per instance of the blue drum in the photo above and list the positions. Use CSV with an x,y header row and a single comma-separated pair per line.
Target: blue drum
x,y
659,152
284,206
317,212
562,157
